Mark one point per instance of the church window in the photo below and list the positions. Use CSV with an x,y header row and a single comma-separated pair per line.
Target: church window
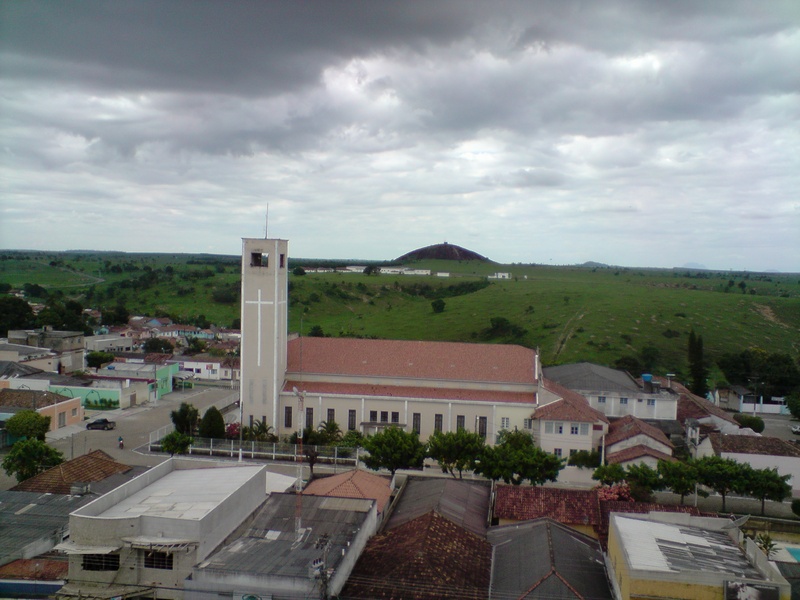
x,y
395,417
416,423
437,423
460,422
310,416
384,416
331,415
482,426
373,416
287,417
351,420
257,259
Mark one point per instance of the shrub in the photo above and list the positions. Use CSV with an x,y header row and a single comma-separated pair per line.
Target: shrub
x,y
796,506
753,422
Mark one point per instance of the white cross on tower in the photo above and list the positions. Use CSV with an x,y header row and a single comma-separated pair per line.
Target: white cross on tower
x,y
259,302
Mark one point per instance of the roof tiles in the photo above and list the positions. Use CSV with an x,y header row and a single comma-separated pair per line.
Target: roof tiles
x,y
749,444
353,484
91,467
629,426
568,506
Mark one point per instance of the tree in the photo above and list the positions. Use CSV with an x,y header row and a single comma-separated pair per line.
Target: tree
x,y
438,305
767,484
609,474
723,475
176,443
649,356
455,450
752,421
372,270
643,481
30,457
28,424
585,459
697,368
299,271
629,364
158,345
195,345
680,477
96,360
185,418
316,331
212,425
394,449
516,459
793,404
329,432
15,313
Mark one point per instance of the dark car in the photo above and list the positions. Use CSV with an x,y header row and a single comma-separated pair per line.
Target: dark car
x,y
101,424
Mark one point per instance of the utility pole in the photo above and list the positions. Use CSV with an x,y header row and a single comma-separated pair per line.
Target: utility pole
x,y
298,486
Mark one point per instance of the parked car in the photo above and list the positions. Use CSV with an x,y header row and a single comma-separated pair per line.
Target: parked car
x,y
795,429
101,424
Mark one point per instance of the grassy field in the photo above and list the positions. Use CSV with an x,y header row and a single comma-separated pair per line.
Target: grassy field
x,y
570,313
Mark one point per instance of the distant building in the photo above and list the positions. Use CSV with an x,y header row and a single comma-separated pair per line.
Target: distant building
x,y
68,344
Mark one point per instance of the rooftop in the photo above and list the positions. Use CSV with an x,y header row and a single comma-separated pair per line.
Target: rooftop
x,y
694,407
629,426
635,453
29,399
92,467
570,407
353,484
750,444
492,363
568,506
592,377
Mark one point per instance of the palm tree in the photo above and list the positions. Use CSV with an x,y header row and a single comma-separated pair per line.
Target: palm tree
x,y
330,432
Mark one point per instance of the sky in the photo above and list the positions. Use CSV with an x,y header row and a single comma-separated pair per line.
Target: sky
x,y
633,133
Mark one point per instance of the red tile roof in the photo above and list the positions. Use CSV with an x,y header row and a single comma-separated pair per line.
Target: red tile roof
x,y
629,426
429,557
353,484
750,444
694,407
39,568
397,391
94,466
567,506
571,407
446,361
29,399
637,452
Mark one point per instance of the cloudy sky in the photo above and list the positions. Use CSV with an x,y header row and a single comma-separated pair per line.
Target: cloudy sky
x,y
630,133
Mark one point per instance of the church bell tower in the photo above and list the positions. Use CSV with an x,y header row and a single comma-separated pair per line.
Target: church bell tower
x,y
264,322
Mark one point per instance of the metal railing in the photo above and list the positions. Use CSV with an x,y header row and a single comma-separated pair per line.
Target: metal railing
x,y
336,455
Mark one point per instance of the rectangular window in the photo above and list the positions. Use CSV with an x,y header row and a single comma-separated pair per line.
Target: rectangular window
x,y
395,417
527,423
416,423
505,422
460,422
310,416
62,419
384,416
259,260
437,423
483,423
574,428
559,428
623,400
287,417
548,427
283,261
331,415
601,399
157,560
351,420
74,412
651,402
101,562
557,452
584,429
373,416
572,452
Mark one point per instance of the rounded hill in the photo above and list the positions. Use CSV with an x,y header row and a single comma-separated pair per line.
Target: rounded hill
x,y
443,251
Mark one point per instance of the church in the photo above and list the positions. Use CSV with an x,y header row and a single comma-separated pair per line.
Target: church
x,y
291,382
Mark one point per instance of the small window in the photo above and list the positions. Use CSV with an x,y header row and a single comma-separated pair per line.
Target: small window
x,y
351,420
257,259
373,416
416,423
574,428
287,417
101,562
557,452
437,423
395,417
584,429
651,402
601,399
157,560
283,261
384,416
548,427
505,422
527,423
331,415
74,412
623,400
460,422
559,428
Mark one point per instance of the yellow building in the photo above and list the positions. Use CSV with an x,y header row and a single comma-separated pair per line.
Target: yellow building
x,y
678,556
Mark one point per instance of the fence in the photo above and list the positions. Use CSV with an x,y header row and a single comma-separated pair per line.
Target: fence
x,y
335,455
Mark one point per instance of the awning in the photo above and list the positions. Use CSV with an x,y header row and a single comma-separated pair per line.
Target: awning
x,y
159,544
72,548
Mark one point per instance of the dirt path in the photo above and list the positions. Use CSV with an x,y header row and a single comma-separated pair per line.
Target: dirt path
x,y
566,333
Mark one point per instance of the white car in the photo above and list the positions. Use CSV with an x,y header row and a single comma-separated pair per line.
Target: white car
x,y
795,429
